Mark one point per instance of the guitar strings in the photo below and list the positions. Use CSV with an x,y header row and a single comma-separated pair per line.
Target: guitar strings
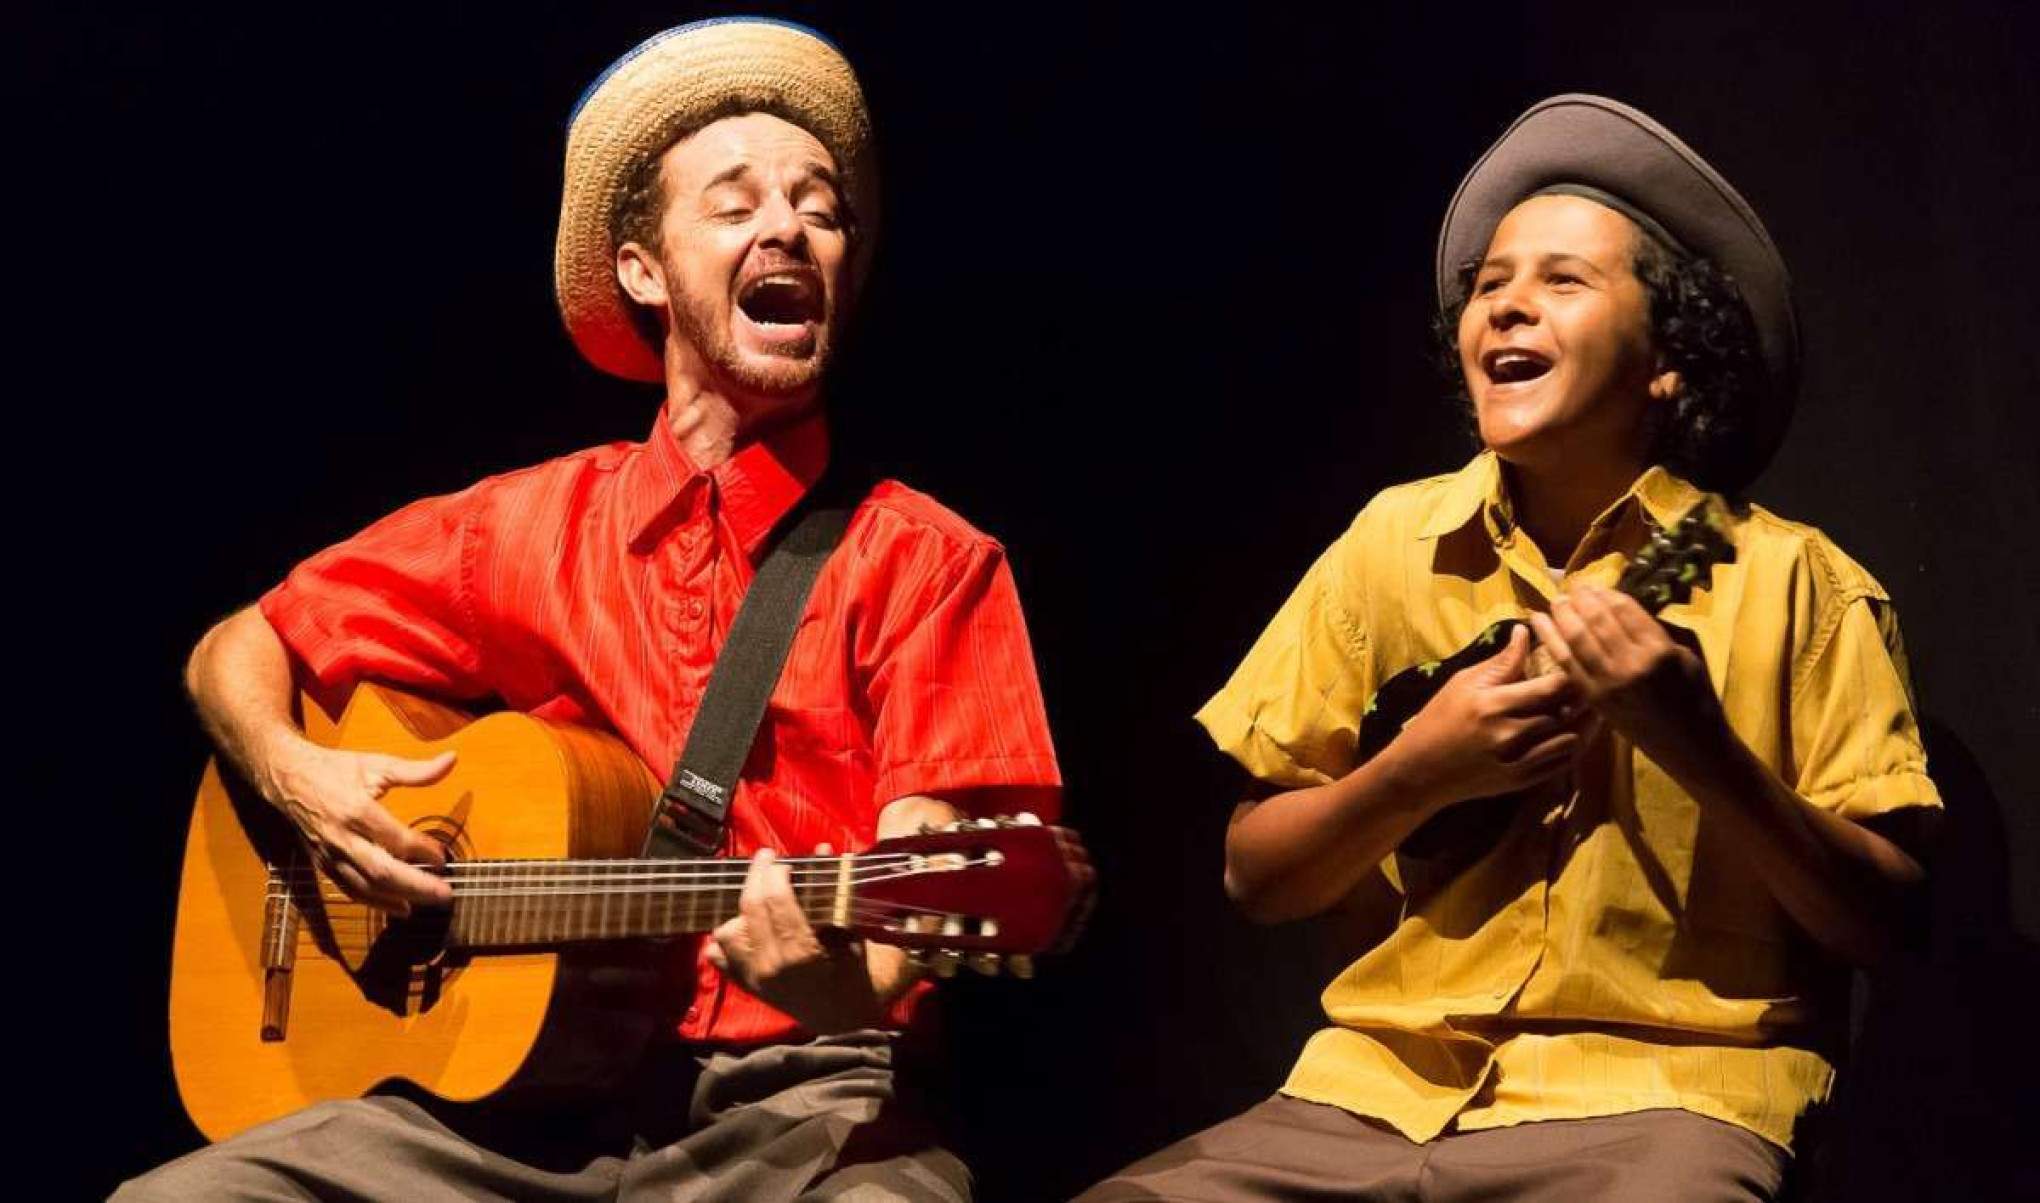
x,y
829,867
545,876
343,906
582,887
308,937
351,912
548,885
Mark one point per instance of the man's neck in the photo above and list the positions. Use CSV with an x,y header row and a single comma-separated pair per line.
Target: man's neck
x,y
710,427
706,425
1555,507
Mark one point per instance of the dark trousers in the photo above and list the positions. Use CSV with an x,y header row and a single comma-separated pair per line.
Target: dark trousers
x,y
811,1121
1289,1150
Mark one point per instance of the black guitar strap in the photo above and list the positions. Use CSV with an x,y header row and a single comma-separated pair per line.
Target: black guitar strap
x,y
692,814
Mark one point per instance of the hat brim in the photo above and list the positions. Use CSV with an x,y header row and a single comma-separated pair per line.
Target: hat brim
x,y
1582,139
636,109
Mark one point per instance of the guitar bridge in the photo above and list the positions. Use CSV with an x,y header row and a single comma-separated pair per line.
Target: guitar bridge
x,y
279,956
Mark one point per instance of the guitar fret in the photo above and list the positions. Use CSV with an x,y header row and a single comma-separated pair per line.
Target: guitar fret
x,y
573,911
520,927
492,908
466,914
575,921
559,902
645,922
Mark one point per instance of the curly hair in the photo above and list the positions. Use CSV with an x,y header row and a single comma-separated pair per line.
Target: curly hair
x,y
1703,329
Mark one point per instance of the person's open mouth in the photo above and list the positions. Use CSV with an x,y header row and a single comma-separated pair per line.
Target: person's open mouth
x,y
1508,366
783,307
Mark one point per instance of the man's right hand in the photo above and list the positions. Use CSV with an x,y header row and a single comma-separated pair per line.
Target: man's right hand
x,y
335,798
1489,730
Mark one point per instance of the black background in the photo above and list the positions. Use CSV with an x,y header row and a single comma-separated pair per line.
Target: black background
x,y
1151,307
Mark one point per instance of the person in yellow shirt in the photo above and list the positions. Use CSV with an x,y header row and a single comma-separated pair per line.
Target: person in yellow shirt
x,y
1631,984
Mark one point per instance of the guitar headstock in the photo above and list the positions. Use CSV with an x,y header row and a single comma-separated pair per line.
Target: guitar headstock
x,y
989,893
1677,559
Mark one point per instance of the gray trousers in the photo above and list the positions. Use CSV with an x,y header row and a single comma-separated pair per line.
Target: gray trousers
x,y
786,1122
1286,1149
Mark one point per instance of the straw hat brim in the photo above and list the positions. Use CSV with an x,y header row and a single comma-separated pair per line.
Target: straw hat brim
x,y
1602,143
670,85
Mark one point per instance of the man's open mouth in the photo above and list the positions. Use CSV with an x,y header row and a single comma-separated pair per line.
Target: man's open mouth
x,y
782,299
1514,365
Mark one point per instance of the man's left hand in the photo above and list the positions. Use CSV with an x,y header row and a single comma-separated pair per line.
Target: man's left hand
x,y
1634,674
771,950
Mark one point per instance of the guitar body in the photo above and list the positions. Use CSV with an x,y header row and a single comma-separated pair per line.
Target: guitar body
x,y
249,1043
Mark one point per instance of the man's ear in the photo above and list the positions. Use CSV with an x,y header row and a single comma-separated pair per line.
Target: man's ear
x,y
1666,385
639,274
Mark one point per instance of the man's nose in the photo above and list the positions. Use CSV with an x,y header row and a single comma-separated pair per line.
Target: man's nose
x,y
779,224
1511,305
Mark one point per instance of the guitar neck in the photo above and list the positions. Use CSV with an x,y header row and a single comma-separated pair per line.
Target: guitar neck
x,y
509,904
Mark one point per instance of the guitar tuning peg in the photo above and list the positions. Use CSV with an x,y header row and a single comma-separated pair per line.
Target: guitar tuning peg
x,y
918,956
953,925
1020,965
985,824
954,826
986,963
945,962
1003,820
1027,818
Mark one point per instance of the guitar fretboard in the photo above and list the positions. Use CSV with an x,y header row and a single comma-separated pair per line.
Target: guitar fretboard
x,y
522,903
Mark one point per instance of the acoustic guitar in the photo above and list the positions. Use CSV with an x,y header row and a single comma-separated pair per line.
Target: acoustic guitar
x,y
538,978
1665,571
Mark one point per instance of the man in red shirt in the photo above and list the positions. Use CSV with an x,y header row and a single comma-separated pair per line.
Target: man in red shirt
x,y
719,207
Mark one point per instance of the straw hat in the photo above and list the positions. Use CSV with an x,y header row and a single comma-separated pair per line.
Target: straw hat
x,y
667,86
1605,149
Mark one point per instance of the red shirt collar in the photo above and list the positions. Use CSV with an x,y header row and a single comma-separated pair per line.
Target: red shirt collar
x,y
753,489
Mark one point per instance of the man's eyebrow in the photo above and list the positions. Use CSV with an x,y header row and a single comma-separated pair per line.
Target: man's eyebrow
x,y
1548,259
1569,259
821,172
727,175
737,171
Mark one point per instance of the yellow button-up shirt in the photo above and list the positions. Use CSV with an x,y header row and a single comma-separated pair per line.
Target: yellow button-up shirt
x,y
1610,952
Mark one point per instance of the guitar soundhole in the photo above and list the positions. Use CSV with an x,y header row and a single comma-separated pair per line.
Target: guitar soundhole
x,y
407,967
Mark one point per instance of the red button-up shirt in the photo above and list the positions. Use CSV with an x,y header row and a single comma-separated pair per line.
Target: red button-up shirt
x,y
598,587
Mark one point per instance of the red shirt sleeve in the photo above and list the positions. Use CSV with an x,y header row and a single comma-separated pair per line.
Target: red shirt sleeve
x,y
955,701
391,604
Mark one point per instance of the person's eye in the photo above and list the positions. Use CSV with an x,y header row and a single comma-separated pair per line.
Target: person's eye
x,y
825,218
1483,287
1562,280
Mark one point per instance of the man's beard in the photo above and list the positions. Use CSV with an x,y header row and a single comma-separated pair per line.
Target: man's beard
x,y
697,321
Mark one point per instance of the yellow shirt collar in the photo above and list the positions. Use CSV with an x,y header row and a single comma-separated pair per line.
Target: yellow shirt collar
x,y
1476,490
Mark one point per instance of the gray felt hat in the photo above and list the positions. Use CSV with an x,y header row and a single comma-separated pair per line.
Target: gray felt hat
x,y
1602,145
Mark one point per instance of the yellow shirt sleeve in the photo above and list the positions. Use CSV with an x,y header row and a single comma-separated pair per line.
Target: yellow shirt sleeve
x,y
1855,740
1291,713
